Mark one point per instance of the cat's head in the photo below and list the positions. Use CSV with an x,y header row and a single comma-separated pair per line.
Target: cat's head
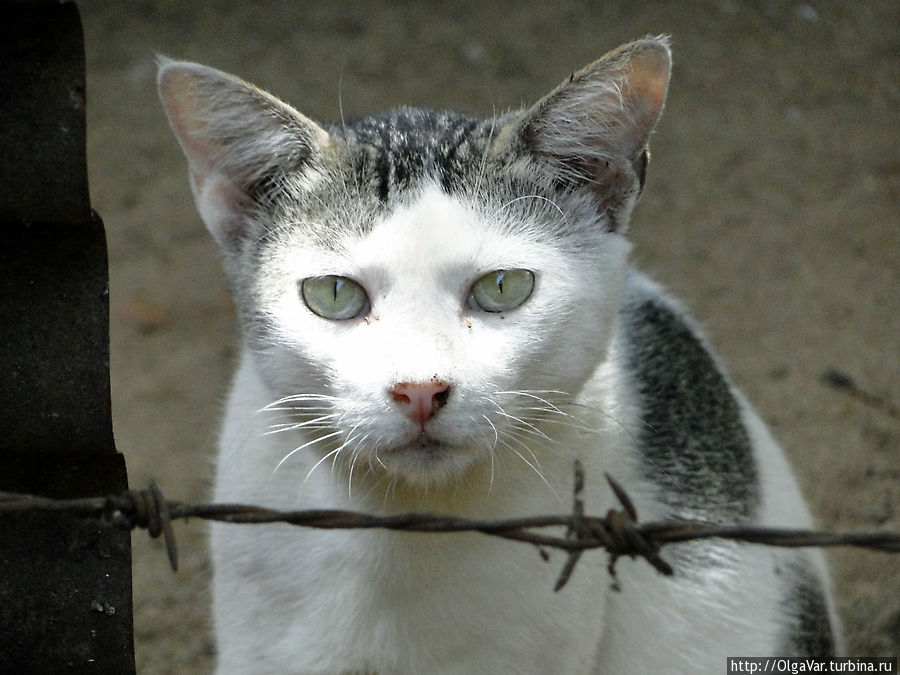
x,y
423,291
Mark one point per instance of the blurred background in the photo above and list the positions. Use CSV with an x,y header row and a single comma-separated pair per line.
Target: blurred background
x,y
771,208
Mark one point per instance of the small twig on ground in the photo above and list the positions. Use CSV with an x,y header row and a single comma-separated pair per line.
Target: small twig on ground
x,y
842,381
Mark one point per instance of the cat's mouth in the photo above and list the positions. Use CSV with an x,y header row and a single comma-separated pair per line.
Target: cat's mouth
x,y
426,460
423,445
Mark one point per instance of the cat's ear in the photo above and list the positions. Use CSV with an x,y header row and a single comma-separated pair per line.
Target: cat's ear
x,y
593,129
239,141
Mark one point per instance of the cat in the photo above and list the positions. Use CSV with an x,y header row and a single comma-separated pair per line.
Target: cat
x,y
438,314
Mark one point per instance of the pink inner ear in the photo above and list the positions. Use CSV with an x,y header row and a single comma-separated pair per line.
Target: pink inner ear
x,y
221,204
650,74
183,100
646,84
215,188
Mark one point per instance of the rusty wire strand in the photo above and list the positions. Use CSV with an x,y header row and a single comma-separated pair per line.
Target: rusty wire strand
x,y
619,532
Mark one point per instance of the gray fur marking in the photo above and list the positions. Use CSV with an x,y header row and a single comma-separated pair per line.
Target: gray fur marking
x,y
692,440
397,148
804,600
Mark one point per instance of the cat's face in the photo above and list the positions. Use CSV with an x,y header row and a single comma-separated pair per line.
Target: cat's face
x,y
446,332
423,292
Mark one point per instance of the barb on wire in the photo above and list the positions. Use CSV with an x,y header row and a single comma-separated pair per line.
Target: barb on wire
x,y
620,533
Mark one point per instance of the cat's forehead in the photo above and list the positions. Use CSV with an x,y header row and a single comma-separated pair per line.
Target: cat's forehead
x,y
398,148
439,227
426,181
428,229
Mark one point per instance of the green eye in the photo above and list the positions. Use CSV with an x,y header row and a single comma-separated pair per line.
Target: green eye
x,y
501,290
333,297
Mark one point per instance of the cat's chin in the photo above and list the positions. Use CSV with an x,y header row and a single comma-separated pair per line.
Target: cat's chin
x,y
427,461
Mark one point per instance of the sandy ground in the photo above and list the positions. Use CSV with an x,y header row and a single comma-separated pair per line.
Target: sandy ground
x,y
771,208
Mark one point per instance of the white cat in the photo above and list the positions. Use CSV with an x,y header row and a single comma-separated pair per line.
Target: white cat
x,y
438,315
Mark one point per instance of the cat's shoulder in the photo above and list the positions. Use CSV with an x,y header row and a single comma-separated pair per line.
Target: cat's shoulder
x,y
693,432
652,322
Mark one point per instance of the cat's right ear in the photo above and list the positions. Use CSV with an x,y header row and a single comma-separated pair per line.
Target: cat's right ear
x,y
592,132
239,141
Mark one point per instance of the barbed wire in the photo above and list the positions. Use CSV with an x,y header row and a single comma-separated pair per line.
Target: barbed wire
x,y
619,532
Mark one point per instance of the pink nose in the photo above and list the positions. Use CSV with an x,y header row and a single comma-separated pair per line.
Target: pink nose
x,y
420,400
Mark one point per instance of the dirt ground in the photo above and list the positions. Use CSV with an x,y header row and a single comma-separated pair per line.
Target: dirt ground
x,y
771,208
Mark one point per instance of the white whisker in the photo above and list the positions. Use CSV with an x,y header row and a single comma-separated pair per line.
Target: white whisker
x,y
517,420
482,169
533,468
316,465
517,435
524,426
317,422
533,394
319,439
296,410
491,446
524,197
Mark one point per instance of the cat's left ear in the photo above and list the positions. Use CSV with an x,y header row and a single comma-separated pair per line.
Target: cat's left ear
x,y
239,141
592,131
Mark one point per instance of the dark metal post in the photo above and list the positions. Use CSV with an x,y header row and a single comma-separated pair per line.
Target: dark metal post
x,y
65,584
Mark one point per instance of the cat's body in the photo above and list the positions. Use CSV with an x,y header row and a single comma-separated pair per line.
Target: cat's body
x,y
438,316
